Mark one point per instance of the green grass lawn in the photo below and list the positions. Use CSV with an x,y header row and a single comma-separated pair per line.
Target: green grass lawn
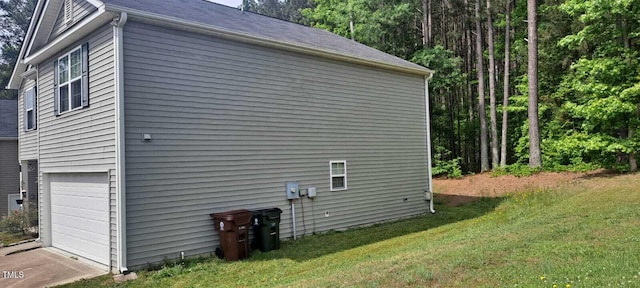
x,y
7,238
583,235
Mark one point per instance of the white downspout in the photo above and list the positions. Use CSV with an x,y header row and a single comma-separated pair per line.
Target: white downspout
x,y
118,24
293,218
40,213
428,124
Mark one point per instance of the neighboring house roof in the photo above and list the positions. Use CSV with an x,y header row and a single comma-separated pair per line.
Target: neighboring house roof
x,y
8,118
259,26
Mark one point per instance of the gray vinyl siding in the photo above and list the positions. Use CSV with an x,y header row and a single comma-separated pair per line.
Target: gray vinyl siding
x,y
33,183
81,9
28,143
9,173
81,140
231,123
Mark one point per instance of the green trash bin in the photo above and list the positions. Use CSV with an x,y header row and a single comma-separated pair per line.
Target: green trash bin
x,y
266,229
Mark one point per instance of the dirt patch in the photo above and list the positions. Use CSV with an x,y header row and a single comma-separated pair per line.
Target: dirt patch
x,y
455,192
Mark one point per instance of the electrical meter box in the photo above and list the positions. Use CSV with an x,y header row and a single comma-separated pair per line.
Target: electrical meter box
x,y
311,192
293,190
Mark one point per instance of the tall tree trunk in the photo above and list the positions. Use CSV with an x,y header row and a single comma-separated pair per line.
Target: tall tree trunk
x,y
535,160
443,26
624,38
426,23
633,164
470,138
351,22
505,89
484,157
492,89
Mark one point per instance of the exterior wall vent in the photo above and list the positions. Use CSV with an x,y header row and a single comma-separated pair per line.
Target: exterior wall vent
x,y
68,11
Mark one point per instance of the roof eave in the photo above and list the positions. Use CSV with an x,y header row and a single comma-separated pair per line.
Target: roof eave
x,y
14,81
21,64
81,29
243,37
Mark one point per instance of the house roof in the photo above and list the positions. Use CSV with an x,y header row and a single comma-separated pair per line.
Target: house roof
x,y
8,118
259,26
213,18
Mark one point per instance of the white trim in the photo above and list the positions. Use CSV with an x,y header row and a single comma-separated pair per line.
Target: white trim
x,y
14,82
69,80
96,3
39,188
51,27
73,34
121,236
37,27
45,195
331,175
164,20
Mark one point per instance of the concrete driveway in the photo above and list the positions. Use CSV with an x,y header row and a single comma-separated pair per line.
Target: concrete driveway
x,y
41,267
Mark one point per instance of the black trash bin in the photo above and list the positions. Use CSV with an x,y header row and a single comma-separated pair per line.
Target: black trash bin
x,y
266,229
234,233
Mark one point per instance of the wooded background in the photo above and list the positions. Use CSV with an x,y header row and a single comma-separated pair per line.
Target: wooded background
x,y
519,84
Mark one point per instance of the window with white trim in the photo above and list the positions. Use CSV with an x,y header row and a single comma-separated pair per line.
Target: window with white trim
x,y
30,109
338,175
71,80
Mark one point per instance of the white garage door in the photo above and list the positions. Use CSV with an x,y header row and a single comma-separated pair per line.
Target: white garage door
x,y
80,214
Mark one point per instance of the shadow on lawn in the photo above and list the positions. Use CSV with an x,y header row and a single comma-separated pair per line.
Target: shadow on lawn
x,y
309,247
603,173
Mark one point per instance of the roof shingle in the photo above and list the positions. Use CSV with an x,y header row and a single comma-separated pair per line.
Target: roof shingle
x,y
235,20
8,118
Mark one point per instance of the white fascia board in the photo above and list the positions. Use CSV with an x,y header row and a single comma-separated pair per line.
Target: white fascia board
x,y
97,3
70,36
15,80
163,20
37,28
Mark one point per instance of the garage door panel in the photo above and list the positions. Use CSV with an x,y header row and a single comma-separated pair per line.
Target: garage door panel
x,y
83,238
68,210
87,206
89,251
80,214
80,191
85,225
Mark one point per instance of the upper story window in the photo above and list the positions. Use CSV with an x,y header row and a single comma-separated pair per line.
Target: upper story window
x,y
338,175
30,109
71,80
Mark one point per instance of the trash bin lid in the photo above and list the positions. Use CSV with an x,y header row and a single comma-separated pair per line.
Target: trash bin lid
x,y
238,217
269,213
273,213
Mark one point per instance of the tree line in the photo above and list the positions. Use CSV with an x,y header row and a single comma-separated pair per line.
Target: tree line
x,y
548,84
567,73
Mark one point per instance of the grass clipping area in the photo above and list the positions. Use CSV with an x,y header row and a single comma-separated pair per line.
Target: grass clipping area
x,y
583,234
